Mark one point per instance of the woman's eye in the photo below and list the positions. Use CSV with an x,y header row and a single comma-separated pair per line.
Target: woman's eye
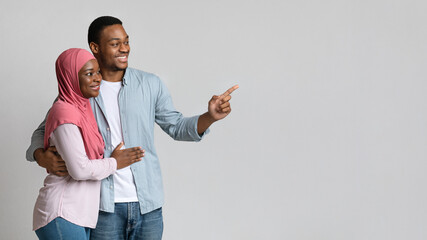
x,y
89,74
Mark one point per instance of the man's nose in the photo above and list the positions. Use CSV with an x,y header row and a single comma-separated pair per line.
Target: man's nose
x,y
124,48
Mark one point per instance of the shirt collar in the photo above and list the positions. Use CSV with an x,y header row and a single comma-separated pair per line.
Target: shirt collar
x,y
125,77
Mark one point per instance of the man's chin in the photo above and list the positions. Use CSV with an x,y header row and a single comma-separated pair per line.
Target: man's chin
x,y
121,68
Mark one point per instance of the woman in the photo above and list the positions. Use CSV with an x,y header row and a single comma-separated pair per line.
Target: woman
x,y
67,207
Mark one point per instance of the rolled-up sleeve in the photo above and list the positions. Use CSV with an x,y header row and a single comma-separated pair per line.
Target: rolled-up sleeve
x,y
69,144
173,122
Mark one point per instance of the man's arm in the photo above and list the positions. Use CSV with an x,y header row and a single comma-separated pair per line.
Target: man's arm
x,y
218,108
190,128
36,141
170,120
48,158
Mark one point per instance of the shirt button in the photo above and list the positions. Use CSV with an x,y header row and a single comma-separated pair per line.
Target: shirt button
x,y
108,129
111,187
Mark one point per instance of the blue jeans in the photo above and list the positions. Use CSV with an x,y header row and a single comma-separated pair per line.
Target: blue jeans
x,y
127,222
60,228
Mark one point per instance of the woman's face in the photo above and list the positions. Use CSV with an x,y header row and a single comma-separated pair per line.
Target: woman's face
x,y
90,79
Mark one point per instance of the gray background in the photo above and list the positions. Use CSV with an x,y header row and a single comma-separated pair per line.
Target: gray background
x,y
328,134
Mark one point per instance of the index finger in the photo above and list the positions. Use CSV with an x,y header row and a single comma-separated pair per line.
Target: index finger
x,y
230,90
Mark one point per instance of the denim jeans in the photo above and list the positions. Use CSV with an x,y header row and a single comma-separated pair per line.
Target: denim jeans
x,y
127,223
60,228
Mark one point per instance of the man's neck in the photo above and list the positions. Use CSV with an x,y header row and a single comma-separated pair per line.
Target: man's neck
x,y
113,76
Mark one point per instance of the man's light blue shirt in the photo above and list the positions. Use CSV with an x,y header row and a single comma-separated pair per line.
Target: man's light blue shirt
x,y
143,100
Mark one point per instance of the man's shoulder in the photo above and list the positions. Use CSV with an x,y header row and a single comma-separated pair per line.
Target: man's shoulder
x,y
140,75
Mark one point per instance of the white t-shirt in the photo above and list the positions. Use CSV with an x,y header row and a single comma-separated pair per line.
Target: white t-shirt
x,y
124,185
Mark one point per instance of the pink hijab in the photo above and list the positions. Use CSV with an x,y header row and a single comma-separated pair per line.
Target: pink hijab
x,y
71,106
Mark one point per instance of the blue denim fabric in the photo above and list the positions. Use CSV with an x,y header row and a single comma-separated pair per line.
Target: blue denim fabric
x,y
127,222
60,228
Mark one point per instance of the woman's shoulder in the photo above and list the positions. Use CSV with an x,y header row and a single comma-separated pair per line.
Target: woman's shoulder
x,y
64,107
64,112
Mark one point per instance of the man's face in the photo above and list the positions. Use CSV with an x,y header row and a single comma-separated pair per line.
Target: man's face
x,y
113,48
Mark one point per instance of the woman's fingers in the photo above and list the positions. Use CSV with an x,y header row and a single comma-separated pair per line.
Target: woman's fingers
x,y
135,153
119,146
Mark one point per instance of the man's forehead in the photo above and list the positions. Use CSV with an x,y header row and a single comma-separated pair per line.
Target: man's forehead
x,y
117,38
114,31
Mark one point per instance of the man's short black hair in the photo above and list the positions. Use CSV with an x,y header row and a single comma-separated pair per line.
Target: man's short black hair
x,y
98,25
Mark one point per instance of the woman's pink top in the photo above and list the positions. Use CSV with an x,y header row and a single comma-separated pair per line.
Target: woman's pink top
x,y
75,197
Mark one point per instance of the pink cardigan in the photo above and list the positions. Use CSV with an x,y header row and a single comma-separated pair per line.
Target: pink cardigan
x,y
75,197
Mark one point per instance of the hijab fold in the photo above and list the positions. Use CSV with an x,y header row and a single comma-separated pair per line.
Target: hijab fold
x,y
71,106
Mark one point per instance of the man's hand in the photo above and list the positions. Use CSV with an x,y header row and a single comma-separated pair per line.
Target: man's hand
x,y
51,160
219,107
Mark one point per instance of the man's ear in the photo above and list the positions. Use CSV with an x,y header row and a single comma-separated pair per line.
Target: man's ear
x,y
94,47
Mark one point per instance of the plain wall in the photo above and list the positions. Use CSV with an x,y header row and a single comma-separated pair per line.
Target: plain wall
x,y
328,134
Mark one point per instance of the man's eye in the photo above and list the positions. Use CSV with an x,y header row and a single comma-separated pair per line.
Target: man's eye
x,y
126,43
115,44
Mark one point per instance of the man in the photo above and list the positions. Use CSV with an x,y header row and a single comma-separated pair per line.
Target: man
x,y
129,103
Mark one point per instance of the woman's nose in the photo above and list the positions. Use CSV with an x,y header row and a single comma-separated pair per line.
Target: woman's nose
x,y
98,77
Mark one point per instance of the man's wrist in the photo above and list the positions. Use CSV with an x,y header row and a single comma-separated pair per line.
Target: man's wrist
x,y
209,118
204,122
